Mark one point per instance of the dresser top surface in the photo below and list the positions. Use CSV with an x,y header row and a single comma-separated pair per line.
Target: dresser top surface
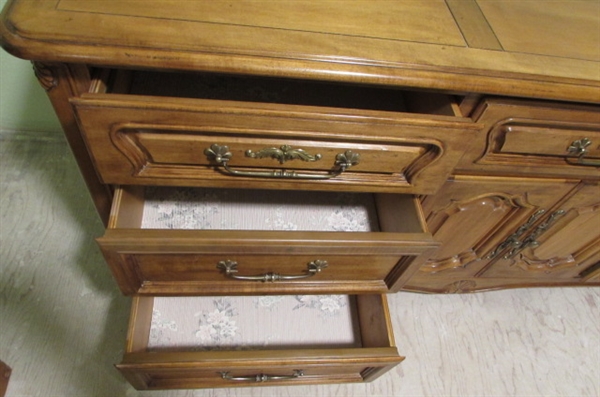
x,y
545,49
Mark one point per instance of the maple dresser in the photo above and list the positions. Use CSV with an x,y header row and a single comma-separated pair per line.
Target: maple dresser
x,y
269,170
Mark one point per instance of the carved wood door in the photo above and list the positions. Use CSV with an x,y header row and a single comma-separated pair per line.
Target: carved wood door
x,y
476,219
565,246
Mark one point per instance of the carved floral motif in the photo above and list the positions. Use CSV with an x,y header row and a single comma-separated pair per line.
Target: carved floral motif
x,y
459,287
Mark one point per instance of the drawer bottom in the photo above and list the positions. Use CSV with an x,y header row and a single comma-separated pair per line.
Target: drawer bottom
x,y
198,342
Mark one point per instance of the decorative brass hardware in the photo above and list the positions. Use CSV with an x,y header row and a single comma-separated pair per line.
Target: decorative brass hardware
x,y
283,154
531,240
262,377
222,155
512,241
230,268
579,148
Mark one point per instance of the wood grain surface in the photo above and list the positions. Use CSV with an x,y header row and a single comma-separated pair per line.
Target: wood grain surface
x,y
63,321
488,47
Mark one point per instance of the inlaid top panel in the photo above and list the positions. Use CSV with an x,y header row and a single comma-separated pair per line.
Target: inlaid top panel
x,y
419,21
569,29
547,49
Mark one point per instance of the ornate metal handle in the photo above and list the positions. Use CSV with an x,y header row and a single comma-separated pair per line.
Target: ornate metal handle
x,y
262,377
283,154
230,268
579,148
222,155
513,239
531,241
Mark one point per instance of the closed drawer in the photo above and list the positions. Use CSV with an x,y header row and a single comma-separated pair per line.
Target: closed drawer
x,y
171,129
197,342
180,241
537,139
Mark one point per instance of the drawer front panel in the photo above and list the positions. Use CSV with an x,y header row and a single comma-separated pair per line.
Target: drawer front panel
x,y
552,142
140,140
265,154
168,377
198,274
536,139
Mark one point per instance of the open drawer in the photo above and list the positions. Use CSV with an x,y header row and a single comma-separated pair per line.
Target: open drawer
x,y
196,241
196,342
155,128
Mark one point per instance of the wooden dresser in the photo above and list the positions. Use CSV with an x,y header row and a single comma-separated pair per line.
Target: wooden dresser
x,y
320,154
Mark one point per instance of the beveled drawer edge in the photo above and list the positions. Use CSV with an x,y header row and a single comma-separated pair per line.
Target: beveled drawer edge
x,y
88,100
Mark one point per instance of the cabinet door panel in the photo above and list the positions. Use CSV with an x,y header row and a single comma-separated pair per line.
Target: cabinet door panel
x,y
565,249
475,218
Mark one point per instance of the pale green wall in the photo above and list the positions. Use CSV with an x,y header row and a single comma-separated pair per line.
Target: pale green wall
x,y
23,102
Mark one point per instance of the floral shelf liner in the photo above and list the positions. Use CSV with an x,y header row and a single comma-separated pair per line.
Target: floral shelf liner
x,y
253,322
231,209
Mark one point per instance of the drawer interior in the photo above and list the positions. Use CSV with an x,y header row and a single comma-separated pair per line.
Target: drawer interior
x,y
267,322
195,342
156,207
283,91
253,322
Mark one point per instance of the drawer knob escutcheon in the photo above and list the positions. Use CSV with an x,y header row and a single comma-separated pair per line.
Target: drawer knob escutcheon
x,y
230,268
579,148
262,377
221,155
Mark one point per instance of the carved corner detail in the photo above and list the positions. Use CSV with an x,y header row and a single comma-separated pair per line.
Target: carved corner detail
x,y
546,266
459,261
45,75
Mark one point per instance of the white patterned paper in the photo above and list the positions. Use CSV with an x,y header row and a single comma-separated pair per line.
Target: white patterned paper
x,y
230,209
253,322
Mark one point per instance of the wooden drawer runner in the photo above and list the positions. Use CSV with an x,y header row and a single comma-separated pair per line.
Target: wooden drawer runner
x,y
198,342
294,142
177,241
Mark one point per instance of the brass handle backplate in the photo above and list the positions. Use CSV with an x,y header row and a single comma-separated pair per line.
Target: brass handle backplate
x,y
262,377
221,155
230,268
579,148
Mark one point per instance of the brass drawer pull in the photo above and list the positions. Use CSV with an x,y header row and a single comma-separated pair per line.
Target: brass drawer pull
x,y
579,148
513,241
531,241
262,377
283,154
230,268
222,155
